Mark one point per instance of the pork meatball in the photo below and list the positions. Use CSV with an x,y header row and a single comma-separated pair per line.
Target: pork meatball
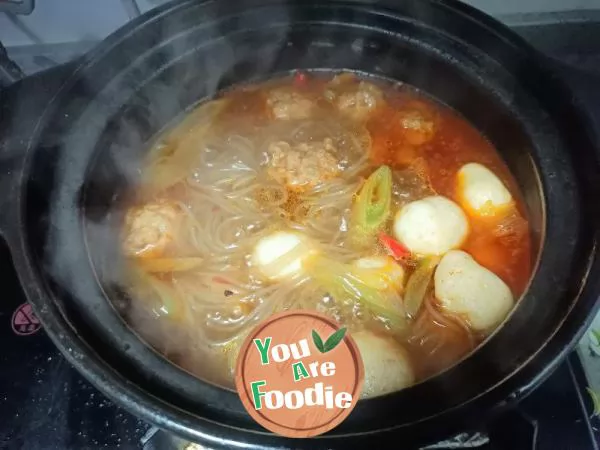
x,y
386,363
150,228
360,101
417,123
288,104
355,100
305,165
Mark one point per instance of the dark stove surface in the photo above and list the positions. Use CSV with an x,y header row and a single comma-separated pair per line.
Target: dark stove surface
x,y
46,405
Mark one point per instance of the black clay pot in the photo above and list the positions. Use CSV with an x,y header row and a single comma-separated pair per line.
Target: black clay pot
x,y
131,86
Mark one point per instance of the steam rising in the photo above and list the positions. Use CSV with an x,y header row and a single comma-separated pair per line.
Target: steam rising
x,y
137,85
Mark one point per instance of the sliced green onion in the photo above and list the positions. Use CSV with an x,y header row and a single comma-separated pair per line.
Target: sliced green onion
x,y
416,287
342,281
372,207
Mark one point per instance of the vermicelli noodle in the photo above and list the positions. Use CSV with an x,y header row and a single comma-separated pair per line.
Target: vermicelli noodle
x,y
233,175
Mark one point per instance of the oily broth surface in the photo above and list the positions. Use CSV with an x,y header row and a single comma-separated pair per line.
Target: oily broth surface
x,y
202,335
455,143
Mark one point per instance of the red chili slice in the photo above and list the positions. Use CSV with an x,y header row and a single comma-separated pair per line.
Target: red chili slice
x,y
300,79
395,248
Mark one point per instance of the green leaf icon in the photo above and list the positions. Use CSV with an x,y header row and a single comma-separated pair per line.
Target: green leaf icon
x,y
331,342
318,341
334,340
